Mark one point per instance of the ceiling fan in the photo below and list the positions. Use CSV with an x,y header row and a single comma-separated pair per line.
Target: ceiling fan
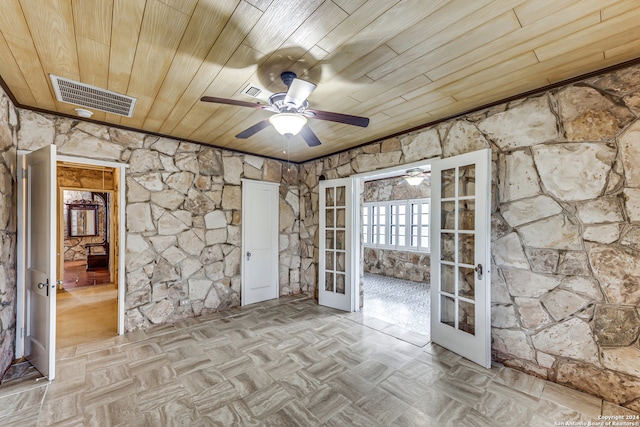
x,y
291,108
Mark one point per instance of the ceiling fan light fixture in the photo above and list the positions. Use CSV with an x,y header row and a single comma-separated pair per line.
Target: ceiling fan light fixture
x,y
288,123
414,176
413,180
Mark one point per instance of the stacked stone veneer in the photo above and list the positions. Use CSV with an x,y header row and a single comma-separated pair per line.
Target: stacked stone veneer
x,y
183,215
565,226
405,265
8,217
408,265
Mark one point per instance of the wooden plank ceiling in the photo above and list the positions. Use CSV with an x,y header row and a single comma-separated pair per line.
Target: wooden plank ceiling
x,y
402,63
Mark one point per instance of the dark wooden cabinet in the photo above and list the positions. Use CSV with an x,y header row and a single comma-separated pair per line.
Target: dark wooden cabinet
x,y
97,255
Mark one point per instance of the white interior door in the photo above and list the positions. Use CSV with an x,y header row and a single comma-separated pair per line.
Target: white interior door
x,y
460,255
40,344
335,265
260,227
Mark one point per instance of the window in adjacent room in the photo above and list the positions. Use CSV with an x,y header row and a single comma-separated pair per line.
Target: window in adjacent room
x,y
398,224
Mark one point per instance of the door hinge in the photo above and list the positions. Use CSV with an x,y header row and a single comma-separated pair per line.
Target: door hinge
x,y
24,173
22,334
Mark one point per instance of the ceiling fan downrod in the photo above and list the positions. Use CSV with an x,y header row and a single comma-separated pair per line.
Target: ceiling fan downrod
x,y
288,77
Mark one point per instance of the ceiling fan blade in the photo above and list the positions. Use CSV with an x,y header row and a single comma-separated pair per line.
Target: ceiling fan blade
x,y
298,92
307,134
233,102
253,129
339,118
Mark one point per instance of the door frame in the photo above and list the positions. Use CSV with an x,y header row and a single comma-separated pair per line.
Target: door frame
x,y
275,235
120,170
359,180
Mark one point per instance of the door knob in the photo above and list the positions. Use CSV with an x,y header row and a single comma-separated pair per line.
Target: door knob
x,y
248,255
44,285
478,270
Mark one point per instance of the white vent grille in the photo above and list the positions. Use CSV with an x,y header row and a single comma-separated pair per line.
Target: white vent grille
x,y
252,91
88,96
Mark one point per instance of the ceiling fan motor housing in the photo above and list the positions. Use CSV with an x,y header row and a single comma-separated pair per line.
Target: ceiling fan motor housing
x,y
277,101
288,77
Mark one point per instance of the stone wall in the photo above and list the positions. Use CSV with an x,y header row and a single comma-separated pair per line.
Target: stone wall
x,y
414,266
8,221
382,190
183,214
392,263
565,226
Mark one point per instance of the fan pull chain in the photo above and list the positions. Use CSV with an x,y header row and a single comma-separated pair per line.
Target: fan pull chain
x,y
285,150
288,162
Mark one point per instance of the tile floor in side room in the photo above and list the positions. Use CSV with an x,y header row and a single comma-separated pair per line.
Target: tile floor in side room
x,y
399,302
283,362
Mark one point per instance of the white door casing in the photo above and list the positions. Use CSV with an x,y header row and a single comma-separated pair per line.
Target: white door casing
x,y
260,241
40,344
335,260
460,255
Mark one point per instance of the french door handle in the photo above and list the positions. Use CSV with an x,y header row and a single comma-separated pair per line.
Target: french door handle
x,y
43,285
478,270
248,255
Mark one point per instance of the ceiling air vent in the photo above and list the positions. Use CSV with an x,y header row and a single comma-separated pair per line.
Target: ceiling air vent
x,y
88,96
252,91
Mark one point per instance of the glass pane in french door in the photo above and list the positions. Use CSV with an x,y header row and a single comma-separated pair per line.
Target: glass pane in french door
x,y
329,197
329,282
335,248
457,251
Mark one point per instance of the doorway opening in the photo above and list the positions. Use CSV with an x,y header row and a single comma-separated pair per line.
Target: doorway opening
x,y
87,292
395,263
40,264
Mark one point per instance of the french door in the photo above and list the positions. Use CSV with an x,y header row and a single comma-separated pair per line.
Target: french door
x,y
335,263
460,255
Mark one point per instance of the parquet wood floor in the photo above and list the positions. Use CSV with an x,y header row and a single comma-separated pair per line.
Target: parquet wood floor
x,y
286,362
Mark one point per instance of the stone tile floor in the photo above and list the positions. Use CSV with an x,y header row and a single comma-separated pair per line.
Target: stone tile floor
x,y
282,362
400,302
